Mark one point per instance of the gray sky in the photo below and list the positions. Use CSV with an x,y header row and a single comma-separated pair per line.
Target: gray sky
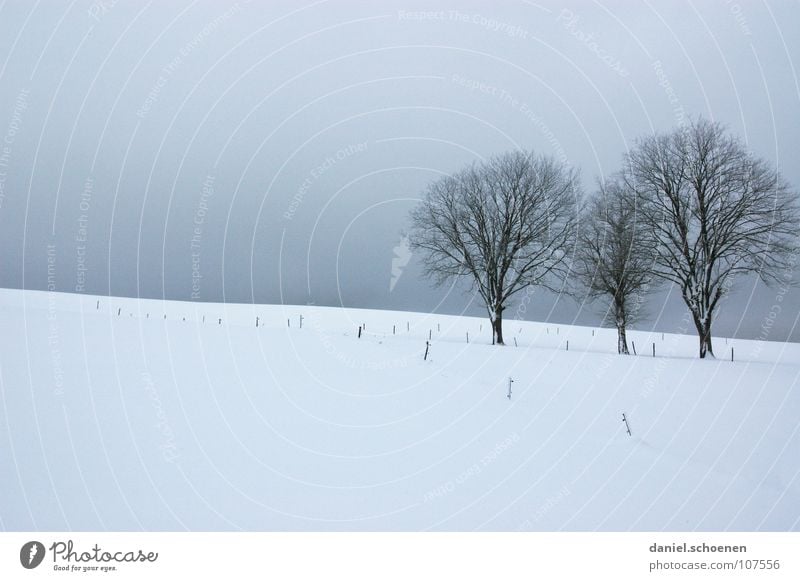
x,y
275,148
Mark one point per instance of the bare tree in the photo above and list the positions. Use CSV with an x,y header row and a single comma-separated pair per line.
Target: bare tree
x,y
716,211
504,224
613,259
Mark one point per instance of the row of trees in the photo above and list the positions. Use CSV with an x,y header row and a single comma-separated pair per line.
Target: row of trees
x,y
692,207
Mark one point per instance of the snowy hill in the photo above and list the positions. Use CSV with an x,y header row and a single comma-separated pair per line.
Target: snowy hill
x,y
139,414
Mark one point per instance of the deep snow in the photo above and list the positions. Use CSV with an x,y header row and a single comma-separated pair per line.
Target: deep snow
x,y
132,421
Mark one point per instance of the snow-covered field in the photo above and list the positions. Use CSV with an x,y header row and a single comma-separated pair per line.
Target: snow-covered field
x,y
119,418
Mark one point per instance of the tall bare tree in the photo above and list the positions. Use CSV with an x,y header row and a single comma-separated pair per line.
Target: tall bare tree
x,y
614,258
716,211
504,224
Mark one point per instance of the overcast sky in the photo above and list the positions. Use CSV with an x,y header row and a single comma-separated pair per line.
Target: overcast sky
x,y
270,151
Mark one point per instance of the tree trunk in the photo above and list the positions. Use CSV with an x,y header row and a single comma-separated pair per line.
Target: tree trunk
x,y
704,334
497,326
622,341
